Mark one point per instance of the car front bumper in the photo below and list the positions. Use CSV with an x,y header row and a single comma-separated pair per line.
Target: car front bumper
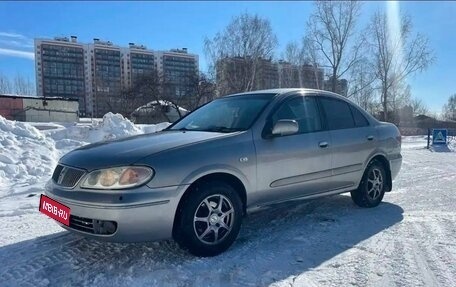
x,y
141,214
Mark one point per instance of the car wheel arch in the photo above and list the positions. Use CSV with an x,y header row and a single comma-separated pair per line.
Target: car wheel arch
x,y
381,158
228,178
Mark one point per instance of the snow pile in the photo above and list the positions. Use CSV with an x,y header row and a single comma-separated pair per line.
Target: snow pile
x,y
148,129
28,155
112,126
115,126
25,153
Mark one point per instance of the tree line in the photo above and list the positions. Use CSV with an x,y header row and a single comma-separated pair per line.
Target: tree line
x,y
375,59
189,91
19,85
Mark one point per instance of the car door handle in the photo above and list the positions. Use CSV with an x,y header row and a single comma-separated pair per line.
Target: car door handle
x,y
323,144
369,138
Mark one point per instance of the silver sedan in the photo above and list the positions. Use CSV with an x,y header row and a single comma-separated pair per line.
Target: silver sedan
x,y
196,180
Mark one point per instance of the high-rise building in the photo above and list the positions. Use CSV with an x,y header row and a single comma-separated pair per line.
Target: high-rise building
x,y
300,76
178,69
238,74
97,73
235,74
59,65
137,61
341,86
267,75
105,77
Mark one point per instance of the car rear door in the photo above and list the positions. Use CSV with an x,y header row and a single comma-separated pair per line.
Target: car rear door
x,y
295,165
353,140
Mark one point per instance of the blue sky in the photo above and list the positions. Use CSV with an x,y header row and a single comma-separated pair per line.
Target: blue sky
x,y
165,25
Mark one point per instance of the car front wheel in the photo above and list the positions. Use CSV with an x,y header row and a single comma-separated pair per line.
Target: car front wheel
x,y
210,219
372,187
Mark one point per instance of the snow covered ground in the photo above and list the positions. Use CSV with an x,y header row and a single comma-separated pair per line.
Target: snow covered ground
x,y
409,240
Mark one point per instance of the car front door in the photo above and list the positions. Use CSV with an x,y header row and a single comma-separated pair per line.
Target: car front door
x,y
353,140
296,165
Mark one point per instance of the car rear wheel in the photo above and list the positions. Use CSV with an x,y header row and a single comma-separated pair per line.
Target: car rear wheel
x,y
372,187
209,220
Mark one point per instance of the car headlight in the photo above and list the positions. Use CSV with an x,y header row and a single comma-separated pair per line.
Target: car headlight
x,y
118,177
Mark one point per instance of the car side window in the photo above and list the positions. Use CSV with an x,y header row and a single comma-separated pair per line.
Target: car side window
x,y
303,110
360,119
338,114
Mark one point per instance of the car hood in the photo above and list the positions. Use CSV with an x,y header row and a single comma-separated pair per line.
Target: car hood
x,y
129,150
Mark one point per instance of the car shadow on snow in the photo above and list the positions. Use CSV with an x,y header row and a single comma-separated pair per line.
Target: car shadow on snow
x,y
274,244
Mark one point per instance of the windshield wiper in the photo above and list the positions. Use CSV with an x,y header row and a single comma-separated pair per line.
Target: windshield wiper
x,y
222,129
179,129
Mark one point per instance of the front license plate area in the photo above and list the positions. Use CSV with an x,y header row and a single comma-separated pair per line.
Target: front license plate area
x,y
54,210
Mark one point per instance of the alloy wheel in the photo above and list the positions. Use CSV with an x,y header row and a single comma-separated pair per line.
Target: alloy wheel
x,y
374,183
213,219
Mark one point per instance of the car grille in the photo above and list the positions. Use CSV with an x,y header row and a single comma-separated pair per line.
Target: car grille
x,y
67,176
81,223
93,226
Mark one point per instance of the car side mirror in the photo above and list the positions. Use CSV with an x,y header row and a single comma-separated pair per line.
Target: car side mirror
x,y
285,127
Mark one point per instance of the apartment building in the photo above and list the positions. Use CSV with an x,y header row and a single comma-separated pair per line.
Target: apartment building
x,y
301,76
341,86
234,74
179,69
97,73
59,66
137,61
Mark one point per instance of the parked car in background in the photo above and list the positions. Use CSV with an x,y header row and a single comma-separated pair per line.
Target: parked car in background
x,y
156,112
196,180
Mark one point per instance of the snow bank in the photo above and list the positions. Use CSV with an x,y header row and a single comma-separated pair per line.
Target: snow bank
x,y
112,126
28,155
25,153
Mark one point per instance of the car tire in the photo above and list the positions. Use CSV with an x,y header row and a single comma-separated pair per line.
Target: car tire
x,y
209,219
372,187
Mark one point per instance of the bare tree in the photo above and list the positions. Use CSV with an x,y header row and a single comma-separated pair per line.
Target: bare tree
x,y
5,85
418,107
235,53
331,35
149,88
396,55
202,90
164,97
362,89
18,85
294,54
310,53
289,68
23,86
449,109
399,96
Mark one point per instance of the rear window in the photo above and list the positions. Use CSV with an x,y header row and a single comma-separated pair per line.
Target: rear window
x,y
360,119
338,114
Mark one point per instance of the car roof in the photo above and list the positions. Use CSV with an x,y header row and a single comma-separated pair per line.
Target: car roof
x,y
290,91
279,92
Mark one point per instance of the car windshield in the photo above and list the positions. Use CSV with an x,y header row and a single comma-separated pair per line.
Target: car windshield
x,y
226,115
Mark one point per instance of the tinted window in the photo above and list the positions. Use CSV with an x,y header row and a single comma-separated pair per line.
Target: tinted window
x,y
225,115
360,119
338,114
303,110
